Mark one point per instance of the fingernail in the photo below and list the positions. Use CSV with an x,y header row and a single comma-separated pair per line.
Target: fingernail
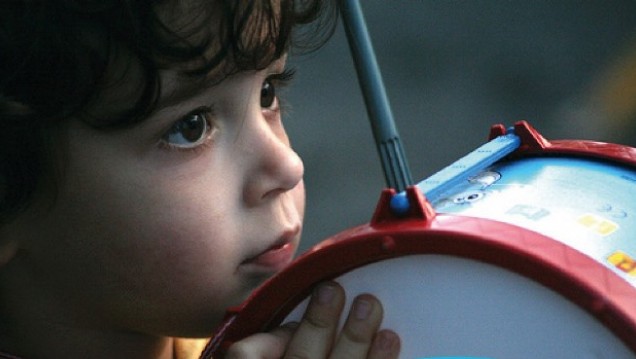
x,y
326,294
384,342
291,325
362,309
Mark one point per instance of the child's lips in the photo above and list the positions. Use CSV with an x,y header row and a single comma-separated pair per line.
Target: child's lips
x,y
277,256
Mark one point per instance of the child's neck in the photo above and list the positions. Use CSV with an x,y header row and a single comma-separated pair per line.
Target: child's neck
x,y
38,325
49,341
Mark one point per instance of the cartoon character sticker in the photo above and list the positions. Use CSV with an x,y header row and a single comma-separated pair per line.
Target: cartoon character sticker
x,y
623,261
475,191
485,179
530,212
598,224
613,211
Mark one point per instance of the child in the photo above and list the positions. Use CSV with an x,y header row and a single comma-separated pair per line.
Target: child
x,y
147,182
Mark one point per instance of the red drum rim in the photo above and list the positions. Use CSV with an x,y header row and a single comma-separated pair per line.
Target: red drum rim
x,y
575,276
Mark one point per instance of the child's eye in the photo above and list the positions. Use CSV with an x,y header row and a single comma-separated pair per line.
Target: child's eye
x,y
269,99
190,131
268,94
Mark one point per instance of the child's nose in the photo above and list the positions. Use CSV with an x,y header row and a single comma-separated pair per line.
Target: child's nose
x,y
278,168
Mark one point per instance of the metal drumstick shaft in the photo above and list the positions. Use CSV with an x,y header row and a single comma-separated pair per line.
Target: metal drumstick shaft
x,y
394,164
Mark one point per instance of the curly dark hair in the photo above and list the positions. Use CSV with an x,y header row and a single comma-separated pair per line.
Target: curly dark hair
x,y
56,60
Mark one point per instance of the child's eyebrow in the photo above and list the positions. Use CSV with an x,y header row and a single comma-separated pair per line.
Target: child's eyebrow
x,y
175,96
176,88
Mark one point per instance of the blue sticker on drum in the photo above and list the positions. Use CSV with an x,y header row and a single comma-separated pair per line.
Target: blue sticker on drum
x,y
584,203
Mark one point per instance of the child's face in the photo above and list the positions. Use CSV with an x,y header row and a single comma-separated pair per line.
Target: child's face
x,y
160,227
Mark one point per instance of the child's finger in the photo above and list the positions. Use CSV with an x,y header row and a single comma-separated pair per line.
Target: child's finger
x,y
386,345
359,330
263,345
318,328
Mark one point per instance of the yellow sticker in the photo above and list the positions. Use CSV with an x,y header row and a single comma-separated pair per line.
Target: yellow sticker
x,y
598,224
623,262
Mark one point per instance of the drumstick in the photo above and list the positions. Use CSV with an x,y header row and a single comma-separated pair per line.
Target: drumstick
x,y
394,164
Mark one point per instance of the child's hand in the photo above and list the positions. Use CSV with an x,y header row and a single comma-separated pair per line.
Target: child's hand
x,y
316,337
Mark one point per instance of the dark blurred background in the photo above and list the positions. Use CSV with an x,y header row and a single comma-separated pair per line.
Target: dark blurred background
x,y
451,69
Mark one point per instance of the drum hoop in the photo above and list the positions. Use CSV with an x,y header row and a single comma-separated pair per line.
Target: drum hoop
x,y
575,276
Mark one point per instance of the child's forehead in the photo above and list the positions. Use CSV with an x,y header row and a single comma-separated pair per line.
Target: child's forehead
x,y
177,88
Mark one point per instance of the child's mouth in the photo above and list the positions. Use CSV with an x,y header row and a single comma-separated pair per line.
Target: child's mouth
x,y
276,257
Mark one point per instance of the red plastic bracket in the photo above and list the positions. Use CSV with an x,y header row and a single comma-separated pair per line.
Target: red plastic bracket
x,y
419,207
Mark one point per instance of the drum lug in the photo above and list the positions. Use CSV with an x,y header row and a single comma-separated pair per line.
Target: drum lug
x,y
530,138
418,207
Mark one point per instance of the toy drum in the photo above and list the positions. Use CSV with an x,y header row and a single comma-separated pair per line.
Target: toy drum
x,y
524,248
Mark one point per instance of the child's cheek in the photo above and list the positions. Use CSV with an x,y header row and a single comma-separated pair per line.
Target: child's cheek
x,y
299,198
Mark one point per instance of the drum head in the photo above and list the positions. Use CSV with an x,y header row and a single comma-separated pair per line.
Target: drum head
x,y
444,305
